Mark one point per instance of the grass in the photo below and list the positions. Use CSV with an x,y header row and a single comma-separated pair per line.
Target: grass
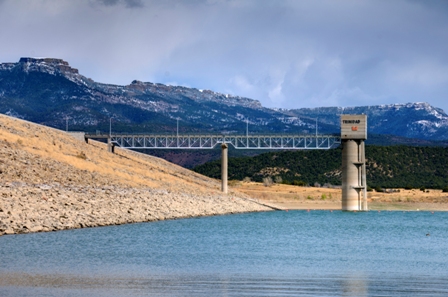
x,y
303,197
124,167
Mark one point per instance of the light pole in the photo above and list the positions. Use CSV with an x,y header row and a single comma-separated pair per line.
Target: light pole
x,y
110,145
247,132
177,133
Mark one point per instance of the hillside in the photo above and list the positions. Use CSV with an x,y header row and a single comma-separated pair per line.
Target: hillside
x,y
52,181
193,158
387,167
48,91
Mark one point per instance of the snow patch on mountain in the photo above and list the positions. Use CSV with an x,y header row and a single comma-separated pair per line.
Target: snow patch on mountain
x,y
140,101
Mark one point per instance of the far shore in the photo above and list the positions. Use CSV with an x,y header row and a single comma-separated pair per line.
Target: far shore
x,y
294,197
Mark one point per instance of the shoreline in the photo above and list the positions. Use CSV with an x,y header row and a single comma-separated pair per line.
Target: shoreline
x,y
52,207
29,208
294,197
433,207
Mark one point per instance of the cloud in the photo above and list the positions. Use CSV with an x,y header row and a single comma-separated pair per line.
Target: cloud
x,y
108,2
127,3
284,53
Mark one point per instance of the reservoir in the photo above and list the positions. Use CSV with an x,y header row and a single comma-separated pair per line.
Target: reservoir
x,y
294,253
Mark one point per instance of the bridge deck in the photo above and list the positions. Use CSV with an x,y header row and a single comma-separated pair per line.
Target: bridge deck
x,y
270,142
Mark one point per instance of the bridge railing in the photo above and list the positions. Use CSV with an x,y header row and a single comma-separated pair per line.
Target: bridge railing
x,y
210,141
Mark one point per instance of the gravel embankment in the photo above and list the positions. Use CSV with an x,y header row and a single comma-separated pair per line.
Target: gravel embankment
x,y
50,181
28,208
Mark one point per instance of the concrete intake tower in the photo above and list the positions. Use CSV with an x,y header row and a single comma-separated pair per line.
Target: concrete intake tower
x,y
354,186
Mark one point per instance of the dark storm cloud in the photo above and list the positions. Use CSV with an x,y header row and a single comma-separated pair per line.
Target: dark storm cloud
x,y
283,53
439,5
134,3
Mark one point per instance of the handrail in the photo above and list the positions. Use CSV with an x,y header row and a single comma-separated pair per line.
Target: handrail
x,y
210,141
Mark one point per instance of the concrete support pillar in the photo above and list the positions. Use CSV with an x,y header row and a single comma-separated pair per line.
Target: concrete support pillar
x,y
364,176
350,176
354,184
224,172
110,146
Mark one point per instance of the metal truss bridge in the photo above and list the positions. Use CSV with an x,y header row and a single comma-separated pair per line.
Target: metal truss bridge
x,y
199,141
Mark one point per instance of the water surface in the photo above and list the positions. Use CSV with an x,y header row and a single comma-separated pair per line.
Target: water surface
x,y
295,253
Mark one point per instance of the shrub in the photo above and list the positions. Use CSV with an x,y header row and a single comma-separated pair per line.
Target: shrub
x,y
247,179
299,183
445,190
267,181
369,189
378,189
278,179
233,182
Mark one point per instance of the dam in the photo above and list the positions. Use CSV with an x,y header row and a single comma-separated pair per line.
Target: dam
x,y
352,137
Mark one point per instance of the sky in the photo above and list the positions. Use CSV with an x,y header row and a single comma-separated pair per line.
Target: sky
x,y
284,53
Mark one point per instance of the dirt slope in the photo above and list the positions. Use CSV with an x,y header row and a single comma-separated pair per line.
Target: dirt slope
x,y
51,181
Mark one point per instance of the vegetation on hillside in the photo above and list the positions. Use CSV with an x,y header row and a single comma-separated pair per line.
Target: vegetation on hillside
x,y
194,157
387,167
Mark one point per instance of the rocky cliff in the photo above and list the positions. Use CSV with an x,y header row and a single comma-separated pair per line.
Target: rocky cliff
x,y
50,91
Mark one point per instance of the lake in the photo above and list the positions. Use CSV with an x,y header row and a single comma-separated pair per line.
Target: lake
x,y
295,253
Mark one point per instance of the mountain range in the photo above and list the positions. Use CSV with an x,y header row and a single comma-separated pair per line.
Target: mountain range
x,y
49,91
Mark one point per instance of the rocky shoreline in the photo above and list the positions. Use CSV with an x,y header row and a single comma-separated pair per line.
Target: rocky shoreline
x,y
50,207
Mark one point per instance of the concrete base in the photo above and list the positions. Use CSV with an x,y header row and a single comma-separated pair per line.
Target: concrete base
x,y
78,135
353,176
110,146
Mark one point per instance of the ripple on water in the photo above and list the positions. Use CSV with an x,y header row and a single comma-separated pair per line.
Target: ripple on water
x,y
295,253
